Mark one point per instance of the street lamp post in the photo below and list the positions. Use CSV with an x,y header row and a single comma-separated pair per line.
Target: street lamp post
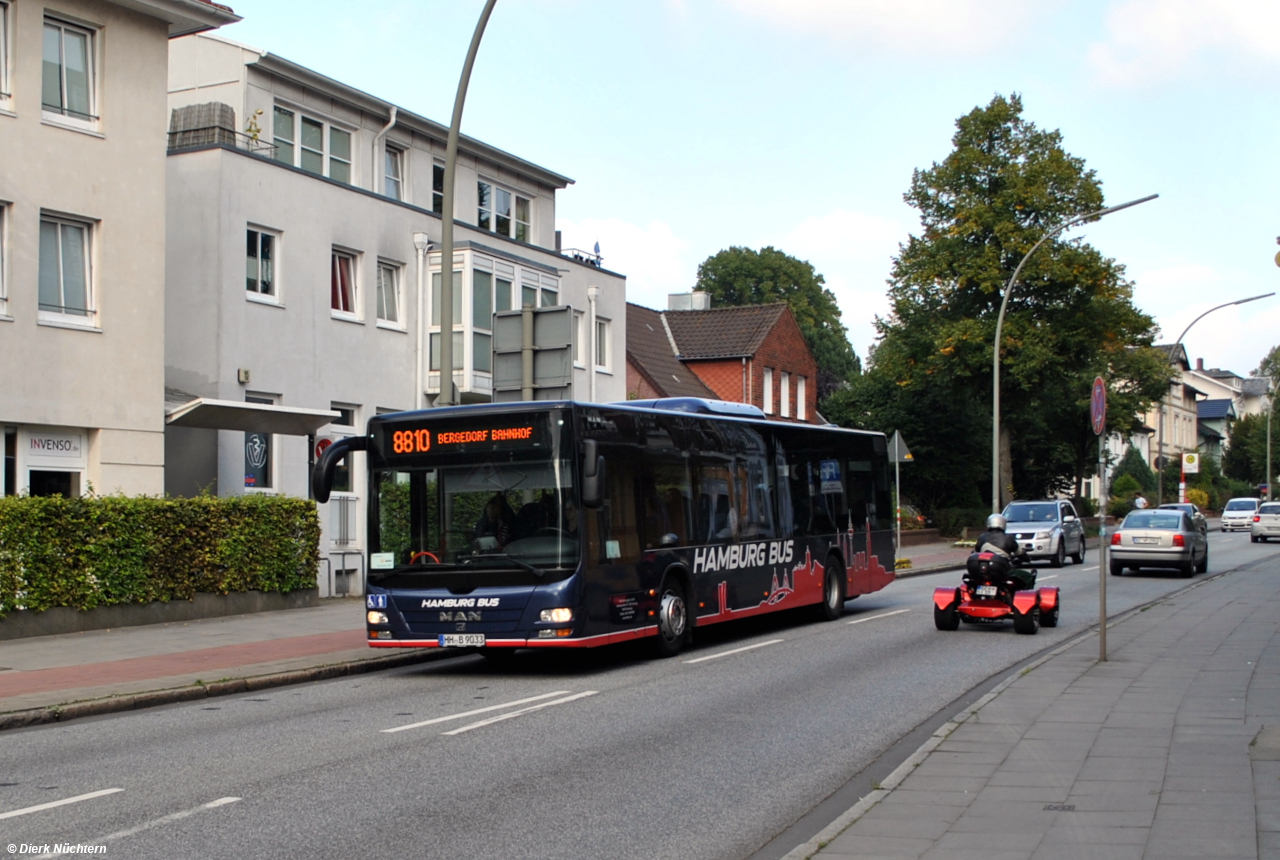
x,y
446,220
1160,441
995,358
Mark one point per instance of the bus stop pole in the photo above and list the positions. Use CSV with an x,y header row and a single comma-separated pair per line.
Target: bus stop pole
x,y
1104,544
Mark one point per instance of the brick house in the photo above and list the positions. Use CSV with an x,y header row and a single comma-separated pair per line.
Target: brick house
x,y
753,354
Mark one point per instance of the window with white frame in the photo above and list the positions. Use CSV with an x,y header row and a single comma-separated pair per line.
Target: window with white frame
x,y
66,270
579,338
434,346
502,294
4,249
343,425
314,145
393,173
260,262
390,300
4,51
482,321
602,344
342,284
768,391
67,84
437,188
800,398
785,395
504,212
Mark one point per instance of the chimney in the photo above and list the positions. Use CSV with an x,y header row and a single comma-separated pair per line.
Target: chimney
x,y
1200,364
698,300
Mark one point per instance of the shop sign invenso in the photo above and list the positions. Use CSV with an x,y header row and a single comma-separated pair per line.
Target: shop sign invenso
x,y
54,445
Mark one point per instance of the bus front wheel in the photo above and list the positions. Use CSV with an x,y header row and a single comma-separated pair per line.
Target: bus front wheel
x,y
673,619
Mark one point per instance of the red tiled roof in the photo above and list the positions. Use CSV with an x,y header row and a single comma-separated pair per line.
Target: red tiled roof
x,y
727,332
649,349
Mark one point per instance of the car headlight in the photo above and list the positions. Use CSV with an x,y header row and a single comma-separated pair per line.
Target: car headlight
x,y
559,615
1044,535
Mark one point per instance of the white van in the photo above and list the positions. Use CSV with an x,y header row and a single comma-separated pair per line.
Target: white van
x,y
1238,514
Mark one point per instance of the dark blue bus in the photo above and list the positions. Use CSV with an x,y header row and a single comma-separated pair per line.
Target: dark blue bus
x,y
570,525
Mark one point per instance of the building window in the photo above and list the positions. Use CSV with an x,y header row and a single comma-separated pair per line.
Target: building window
x,y
602,344
437,189
503,212
482,321
258,460
550,297
389,302
785,395
579,338
4,51
502,294
300,141
65,273
342,284
801,412
260,263
393,174
768,391
528,296
344,425
67,86
4,294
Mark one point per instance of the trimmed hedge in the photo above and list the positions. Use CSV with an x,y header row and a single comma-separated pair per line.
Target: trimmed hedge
x,y
100,551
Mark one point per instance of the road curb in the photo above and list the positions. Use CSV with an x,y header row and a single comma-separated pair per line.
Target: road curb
x,y
61,713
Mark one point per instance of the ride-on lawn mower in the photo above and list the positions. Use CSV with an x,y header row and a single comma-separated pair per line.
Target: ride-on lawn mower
x,y
994,590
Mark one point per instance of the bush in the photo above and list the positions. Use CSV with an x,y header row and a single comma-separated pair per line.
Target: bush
x,y
1086,507
91,552
1199,498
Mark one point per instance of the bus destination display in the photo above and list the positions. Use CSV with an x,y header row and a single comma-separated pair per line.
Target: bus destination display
x,y
421,440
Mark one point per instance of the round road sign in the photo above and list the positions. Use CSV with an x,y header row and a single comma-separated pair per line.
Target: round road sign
x,y
1098,406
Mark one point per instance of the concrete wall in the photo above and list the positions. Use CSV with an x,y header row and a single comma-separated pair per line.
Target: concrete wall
x,y
101,380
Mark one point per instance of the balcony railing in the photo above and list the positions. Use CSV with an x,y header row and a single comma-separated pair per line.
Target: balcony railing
x,y
202,138
585,257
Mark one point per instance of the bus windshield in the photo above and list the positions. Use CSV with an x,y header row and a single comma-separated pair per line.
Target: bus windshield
x,y
476,505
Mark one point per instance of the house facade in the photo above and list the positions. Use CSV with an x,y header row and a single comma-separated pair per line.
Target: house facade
x,y
303,271
82,241
754,354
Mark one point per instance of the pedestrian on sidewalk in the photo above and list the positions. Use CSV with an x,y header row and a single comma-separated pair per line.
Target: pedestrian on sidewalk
x,y
1139,502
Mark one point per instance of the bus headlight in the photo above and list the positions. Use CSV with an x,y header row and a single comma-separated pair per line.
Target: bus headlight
x,y
559,615
376,617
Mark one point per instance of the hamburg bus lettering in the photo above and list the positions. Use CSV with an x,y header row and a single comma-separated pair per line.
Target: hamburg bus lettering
x,y
460,603
735,556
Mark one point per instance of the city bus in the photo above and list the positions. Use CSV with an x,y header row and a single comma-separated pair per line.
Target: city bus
x,y
558,524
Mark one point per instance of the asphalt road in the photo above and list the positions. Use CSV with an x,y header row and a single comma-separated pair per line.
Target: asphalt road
x,y
602,755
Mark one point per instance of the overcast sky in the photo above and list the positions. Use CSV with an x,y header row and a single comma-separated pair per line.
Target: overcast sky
x,y
693,125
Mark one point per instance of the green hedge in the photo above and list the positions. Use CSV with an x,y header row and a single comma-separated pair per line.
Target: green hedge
x,y
101,551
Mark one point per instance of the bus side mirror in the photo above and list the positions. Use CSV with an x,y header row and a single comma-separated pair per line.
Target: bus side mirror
x,y
322,475
592,475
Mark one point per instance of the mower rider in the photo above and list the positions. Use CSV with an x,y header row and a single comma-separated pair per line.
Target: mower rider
x,y
995,540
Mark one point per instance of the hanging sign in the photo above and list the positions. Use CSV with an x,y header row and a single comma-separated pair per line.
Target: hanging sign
x,y
1191,463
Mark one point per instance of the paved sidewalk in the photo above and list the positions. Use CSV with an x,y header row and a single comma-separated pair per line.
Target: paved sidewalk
x,y
1169,749
46,678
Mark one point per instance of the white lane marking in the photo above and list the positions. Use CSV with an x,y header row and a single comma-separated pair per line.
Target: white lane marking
x,y
1083,569
466,714
881,615
1050,576
43,806
521,712
734,651
133,831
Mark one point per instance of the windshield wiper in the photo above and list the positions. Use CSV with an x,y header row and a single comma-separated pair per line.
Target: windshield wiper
x,y
539,572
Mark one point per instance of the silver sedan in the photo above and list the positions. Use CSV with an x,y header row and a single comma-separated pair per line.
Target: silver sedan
x,y
1266,522
1159,538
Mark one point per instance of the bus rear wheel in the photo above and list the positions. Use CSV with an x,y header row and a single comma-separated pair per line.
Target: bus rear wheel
x,y
673,619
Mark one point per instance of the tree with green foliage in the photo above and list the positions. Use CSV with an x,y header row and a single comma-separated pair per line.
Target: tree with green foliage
x,y
1246,458
1270,366
741,276
1005,184
1135,465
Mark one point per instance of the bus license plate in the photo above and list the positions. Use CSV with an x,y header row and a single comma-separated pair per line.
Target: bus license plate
x,y
986,591
461,640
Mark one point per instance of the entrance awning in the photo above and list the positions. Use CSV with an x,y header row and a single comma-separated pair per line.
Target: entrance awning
x,y
249,417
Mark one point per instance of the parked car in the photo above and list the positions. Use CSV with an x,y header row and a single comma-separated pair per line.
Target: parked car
x,y
1047,529
1197,516
1159,538
1266,522
1238,514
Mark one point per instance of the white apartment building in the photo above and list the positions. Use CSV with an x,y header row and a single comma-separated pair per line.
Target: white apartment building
x,y
303,267
82,240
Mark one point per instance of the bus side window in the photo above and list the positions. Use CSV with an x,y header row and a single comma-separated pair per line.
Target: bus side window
x,y
755,491
666,498
716,513
861,493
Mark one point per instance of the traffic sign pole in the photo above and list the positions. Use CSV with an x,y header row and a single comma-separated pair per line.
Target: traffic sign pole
x,y
1098,418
